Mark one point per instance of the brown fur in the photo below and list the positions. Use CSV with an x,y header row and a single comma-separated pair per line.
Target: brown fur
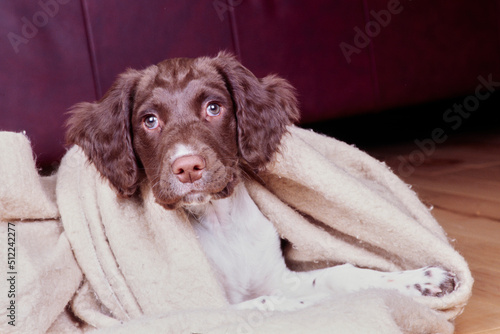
x,y
255,113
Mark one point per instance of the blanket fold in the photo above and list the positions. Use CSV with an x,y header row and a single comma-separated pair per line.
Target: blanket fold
x,y
358,200
132,265
44,271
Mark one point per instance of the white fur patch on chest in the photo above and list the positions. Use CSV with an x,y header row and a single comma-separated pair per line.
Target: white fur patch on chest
x,y
241,244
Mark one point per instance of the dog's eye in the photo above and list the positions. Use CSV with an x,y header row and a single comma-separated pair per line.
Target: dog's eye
x,y
151,122
213,109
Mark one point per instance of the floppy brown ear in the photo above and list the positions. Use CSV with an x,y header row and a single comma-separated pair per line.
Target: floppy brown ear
x,y
264,108
102,130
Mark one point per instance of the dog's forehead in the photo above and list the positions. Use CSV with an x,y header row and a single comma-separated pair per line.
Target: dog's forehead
x,y
176,74
174,77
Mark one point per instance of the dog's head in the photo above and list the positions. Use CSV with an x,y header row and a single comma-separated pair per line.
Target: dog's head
x,y
186,126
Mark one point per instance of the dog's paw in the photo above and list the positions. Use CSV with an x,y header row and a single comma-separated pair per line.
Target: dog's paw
x,y
428,281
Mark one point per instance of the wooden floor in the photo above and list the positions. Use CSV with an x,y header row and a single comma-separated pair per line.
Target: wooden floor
x,y
461,179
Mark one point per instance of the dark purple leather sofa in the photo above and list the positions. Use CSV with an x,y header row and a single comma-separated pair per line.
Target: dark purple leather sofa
x,y
346,57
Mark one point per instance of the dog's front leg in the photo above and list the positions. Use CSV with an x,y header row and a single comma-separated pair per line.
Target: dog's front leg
x,y
301,289
428,281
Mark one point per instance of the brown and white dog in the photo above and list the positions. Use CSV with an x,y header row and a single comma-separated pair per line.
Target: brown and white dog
x,y
193,128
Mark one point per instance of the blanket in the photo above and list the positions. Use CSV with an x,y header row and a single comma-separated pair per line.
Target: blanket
x,y
87,260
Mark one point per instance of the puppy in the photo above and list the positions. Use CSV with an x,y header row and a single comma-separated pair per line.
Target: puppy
x,y
192,129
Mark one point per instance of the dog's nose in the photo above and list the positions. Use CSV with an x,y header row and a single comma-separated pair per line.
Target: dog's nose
x,y
189,168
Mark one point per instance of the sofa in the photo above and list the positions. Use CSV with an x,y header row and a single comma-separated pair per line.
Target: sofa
x,y
345,57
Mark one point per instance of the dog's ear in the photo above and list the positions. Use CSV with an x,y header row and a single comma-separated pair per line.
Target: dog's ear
x,y
264,108
102,129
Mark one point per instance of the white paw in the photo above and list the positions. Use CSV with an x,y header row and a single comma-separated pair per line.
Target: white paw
x,y
428,281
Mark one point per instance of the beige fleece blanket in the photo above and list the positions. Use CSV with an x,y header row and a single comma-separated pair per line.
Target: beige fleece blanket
x,y
86,260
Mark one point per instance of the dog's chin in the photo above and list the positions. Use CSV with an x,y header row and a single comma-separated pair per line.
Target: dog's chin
x,y
196,198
